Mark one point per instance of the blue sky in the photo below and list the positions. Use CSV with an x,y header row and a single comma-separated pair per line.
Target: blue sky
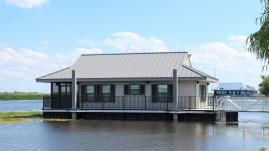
x,y
40,36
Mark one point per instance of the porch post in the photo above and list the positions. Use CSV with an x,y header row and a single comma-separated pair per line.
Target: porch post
x,y
74,94
175,94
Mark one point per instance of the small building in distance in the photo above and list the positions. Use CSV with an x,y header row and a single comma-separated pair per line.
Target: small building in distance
x,y
235,89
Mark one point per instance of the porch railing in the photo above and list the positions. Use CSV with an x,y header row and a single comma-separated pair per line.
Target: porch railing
x,y
46,102
57,102
138,103
129,103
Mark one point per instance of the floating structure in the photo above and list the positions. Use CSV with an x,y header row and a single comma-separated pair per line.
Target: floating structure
x,y
132,86
234,89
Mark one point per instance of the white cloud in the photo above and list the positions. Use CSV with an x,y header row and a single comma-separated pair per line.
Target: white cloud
x,y
29,64
231,63
14,74
89,50
133,42
26,57
26,3
237,40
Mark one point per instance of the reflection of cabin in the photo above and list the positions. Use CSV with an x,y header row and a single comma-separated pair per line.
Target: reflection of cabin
x,y
234,89
163,81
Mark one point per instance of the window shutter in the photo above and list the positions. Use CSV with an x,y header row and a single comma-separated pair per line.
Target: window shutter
x,y
142,89
170,92
83,92
98,93
126,89
154,92
112,93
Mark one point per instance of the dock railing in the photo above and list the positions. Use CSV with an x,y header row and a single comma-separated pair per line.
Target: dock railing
x,y
243,104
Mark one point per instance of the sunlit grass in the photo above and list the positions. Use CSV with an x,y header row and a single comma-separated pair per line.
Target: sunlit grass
x,y
56,120
19,117
25,117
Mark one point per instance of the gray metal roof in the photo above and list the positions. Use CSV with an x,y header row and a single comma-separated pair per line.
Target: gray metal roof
x,y
129,65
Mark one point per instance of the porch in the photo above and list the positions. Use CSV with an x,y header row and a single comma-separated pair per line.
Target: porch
x,y
124,103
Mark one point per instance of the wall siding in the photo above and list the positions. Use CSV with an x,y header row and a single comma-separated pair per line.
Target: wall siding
x,y
187,90
119,89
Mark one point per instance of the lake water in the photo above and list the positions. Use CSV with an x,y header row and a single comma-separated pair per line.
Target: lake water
x,y
251,132
21,105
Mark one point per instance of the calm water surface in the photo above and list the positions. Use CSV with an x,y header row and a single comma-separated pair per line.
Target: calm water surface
x,y
250,133
21,105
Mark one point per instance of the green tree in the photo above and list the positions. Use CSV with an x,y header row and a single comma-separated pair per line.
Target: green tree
x,y
259,41
264,86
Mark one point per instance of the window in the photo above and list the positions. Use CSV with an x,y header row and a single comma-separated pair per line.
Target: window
x,y
163,92
90,89
163,89
61,95
106,92
106,89
202,92
90,93
55,89
135,89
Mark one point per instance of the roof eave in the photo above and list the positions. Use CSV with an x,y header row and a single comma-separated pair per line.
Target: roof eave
x,y
126,79
52,80
212,80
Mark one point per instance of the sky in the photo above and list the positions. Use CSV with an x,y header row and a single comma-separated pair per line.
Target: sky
x,y
41,36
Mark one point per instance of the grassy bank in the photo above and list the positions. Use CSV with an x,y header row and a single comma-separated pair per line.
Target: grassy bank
x,y
18,117
25,117
4,96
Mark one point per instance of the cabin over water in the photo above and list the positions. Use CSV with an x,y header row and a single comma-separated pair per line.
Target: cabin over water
x,y
234,89
159,85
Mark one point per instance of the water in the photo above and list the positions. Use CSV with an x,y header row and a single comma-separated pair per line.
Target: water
x,y
108,135
21,105
251,132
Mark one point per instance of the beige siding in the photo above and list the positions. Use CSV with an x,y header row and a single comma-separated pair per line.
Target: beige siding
x,y
186,88
189,95
119,89
148,90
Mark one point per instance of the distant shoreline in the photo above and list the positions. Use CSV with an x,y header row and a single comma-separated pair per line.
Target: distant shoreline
x,y
16,96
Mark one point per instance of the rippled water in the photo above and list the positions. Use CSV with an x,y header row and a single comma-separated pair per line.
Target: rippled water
x,y
111,135
251,132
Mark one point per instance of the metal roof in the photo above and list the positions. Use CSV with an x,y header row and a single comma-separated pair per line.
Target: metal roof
x,y
129,65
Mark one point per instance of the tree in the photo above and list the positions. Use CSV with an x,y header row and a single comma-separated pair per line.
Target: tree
x,y
259,41
264,86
